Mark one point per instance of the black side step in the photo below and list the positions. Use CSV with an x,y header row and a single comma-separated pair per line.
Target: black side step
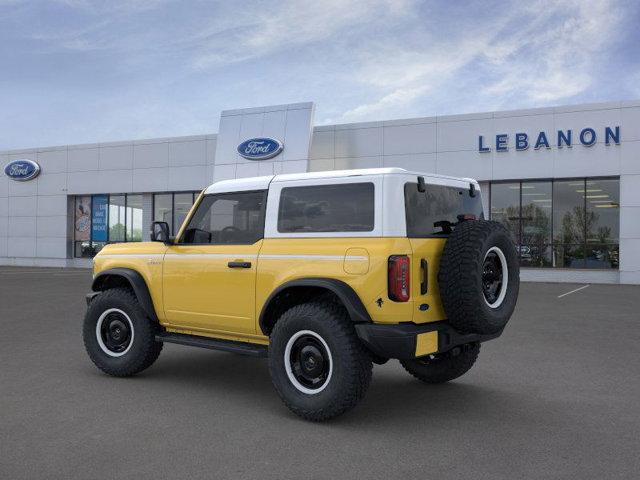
x,y
214,343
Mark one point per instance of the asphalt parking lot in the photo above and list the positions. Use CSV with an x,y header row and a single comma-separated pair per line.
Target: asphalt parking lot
x,y
557,396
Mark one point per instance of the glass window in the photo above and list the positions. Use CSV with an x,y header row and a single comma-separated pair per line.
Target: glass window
x,y
134,218
182,204
602,256
345,207
565,223
603,223
569,223
83,218
505,207
102,219
99,227
535,249
99,216
163,209
117,218
229,218
96,247
603,211
82,227
568,212
438,203
568,256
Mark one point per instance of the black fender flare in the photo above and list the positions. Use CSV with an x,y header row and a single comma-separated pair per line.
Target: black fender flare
x,y
349,298
135,281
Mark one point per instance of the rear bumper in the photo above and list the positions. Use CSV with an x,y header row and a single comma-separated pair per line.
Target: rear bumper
x,y
407,340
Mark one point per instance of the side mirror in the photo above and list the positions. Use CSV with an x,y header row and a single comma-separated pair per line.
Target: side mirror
x,y
160,232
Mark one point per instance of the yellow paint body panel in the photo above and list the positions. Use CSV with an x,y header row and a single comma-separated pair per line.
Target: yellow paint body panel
x,y
144,257
426,343
202,293
194,291
285,260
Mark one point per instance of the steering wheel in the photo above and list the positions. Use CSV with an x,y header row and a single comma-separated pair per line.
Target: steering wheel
x,y
227,233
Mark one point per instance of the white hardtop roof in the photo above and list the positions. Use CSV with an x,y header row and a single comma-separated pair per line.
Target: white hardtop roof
x,y
262,183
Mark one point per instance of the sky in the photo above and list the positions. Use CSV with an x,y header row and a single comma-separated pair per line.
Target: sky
x,y
80,71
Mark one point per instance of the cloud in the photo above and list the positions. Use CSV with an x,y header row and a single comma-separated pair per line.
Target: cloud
x,y
397,98
555,63
541,53
407,76
288,24
125,69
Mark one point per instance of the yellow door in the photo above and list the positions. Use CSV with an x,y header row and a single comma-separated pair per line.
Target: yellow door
x,y
209,274
211,287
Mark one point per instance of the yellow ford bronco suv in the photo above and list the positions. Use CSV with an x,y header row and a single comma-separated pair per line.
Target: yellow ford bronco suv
x,y
323,273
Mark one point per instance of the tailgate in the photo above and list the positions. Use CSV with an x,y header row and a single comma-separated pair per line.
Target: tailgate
x,y
424,279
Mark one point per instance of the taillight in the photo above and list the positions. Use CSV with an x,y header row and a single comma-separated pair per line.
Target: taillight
x,y
399,278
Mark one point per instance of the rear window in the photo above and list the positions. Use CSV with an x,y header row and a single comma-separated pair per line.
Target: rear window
x,y
438,203
347,207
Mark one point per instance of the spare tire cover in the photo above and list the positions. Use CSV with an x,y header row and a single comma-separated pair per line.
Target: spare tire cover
x,y
479,277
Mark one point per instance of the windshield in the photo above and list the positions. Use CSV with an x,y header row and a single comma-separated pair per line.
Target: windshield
x,y
439,205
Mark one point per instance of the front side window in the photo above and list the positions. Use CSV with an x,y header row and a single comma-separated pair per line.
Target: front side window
x,y
347,207
228,219
425,211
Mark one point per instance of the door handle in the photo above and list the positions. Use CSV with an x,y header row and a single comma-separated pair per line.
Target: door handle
x,y
424,283
239,264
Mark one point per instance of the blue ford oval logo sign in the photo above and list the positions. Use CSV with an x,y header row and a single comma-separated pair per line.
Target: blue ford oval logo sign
x,y
260,148
22,170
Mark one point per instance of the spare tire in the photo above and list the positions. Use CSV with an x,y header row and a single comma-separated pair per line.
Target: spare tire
x,y
479,277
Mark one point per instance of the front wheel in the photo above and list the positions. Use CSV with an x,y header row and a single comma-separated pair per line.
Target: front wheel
x,y
118,335
442,367
318,365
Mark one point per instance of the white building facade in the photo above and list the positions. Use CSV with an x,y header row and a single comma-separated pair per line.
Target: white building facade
x,y
564,180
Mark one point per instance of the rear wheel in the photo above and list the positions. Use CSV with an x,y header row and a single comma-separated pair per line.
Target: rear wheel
x,y
442,367
317,363
118,335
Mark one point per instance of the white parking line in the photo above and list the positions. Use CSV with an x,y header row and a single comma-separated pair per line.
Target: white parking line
x,y
573,291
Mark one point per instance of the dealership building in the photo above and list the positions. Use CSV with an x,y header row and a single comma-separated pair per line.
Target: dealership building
x,y
564,180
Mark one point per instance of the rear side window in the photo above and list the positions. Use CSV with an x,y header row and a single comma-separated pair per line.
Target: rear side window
x,y
347,207
437,204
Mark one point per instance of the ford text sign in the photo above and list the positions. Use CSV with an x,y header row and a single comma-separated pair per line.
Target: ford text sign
x,y
260,148
22,170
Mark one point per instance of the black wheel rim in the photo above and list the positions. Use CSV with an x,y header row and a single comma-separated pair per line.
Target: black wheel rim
x,y
310,362
492,277
115,332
